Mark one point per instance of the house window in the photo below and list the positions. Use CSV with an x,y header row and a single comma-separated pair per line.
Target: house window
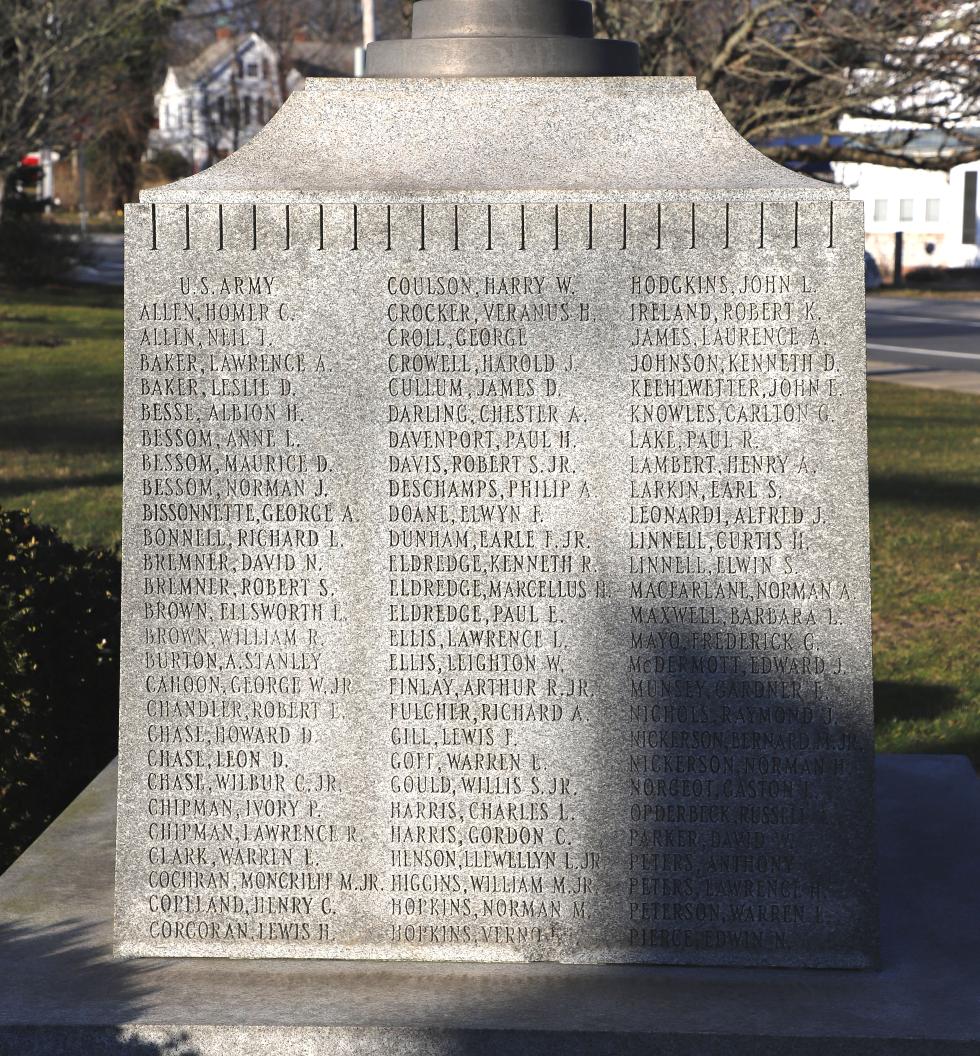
x,y
881,210
246,110
260,110
905,209
265,68
932,210
252,69
239,68
221,110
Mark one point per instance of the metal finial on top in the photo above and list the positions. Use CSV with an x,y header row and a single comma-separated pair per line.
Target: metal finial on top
x,y
502,38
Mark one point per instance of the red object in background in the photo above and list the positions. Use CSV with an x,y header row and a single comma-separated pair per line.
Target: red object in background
x,y
29,160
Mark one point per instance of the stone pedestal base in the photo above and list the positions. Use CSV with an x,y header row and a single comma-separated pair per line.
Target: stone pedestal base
x,y
62,992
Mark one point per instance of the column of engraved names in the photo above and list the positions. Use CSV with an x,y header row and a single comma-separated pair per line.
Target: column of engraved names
x,y
234,534
486,569
733,736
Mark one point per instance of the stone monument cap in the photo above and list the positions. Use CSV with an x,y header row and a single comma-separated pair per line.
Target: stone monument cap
x,y
502,38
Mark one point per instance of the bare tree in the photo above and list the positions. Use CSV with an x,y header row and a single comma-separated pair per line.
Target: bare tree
x,y
122,107
782,70
214,118
279,20
63,64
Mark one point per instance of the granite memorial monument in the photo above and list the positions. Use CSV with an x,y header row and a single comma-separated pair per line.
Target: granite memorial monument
x,y
496,579
496,589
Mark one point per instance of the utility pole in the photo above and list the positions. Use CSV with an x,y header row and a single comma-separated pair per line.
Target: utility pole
x,y
82,203
47,178
368,32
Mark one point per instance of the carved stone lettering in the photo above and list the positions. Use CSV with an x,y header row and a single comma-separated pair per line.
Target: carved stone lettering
x,y
496,582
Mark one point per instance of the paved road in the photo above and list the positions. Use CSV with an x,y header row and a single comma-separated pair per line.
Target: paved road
x,y
103,261
930,333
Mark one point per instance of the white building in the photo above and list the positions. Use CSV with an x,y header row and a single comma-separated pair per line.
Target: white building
x,y
214,104
937,211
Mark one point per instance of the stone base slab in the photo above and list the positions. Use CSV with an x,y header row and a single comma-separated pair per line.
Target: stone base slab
x,y
61,990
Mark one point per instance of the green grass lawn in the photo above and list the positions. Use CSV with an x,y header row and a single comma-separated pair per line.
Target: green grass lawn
x,y
98,223
60,430
925,532
61,408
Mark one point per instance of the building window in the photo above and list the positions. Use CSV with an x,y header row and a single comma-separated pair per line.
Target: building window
x,y
265,68
239,68
932,210
906,209
221,110
881,210
260,110
246,110
252,69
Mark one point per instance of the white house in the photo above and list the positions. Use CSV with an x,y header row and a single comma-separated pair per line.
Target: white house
x,y
209,107
937,211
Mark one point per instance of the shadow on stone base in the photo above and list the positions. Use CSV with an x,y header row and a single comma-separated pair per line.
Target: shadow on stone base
x,y
61,992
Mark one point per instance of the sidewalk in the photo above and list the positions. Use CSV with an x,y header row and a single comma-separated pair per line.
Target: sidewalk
x,y
924,377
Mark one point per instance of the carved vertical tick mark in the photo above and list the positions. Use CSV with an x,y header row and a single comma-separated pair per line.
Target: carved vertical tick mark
x,y
389,229
355,227
762,225
422,227
287,227
221,227
796,225
153,225
456,227
694,229
590,226
321,226
659,224
556,227
830,245
624,226
489,226
187,227
255,227
728,241
523,230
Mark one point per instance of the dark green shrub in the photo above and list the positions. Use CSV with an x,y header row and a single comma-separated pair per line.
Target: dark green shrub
x,y
960,278
33,249
171,165
59,674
